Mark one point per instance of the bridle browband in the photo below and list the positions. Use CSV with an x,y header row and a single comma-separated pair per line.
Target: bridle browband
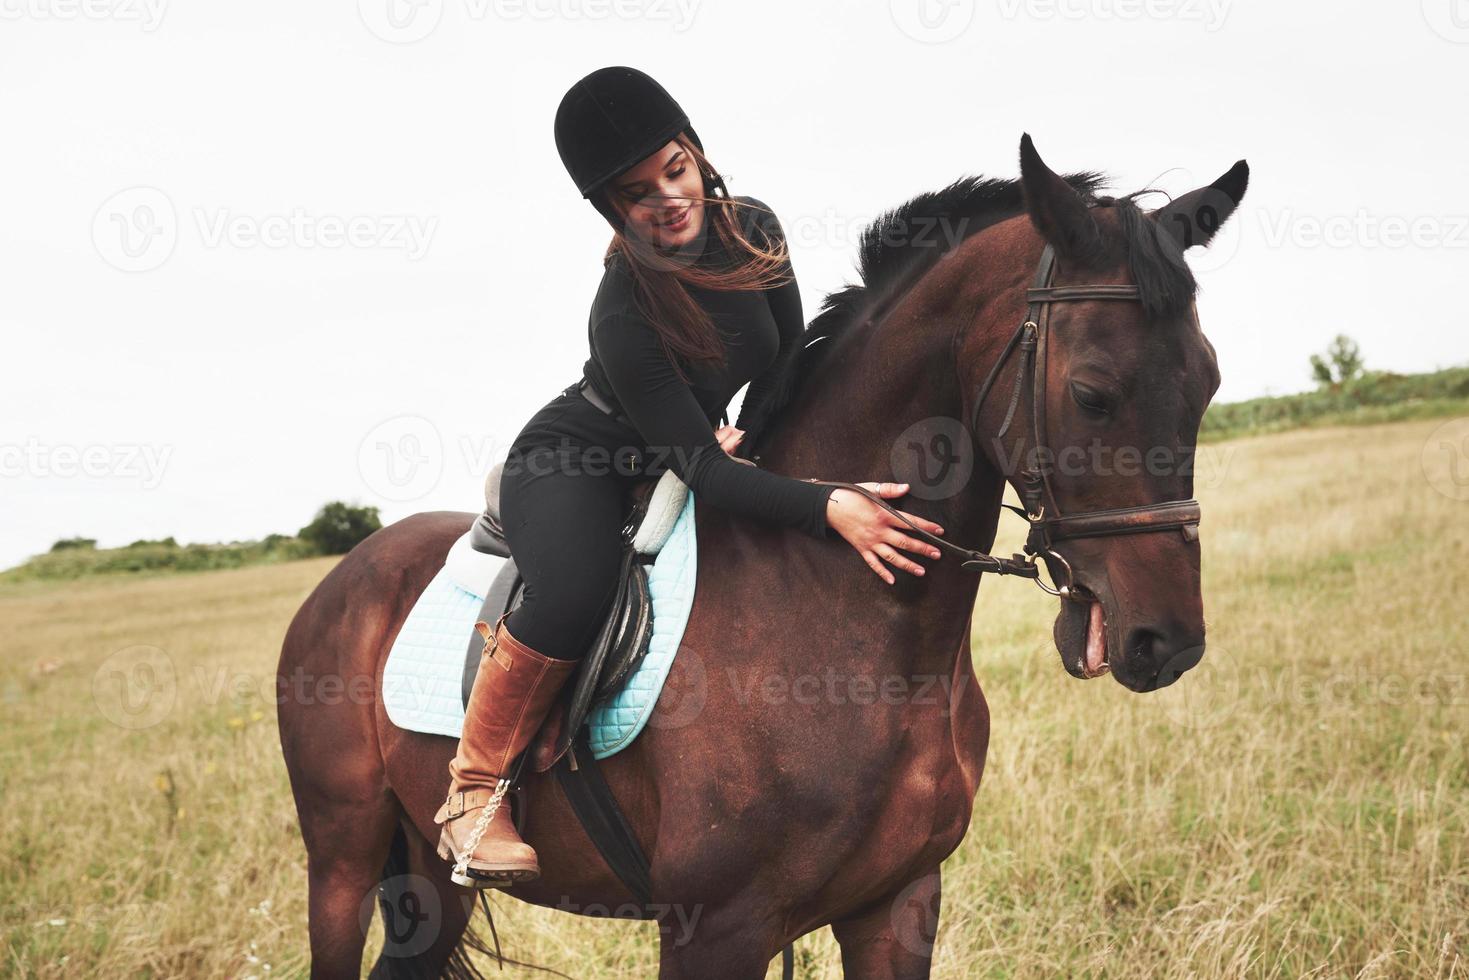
x,y
1048,525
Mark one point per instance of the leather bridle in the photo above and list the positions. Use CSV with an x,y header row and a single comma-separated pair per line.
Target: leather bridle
x,y
1048,524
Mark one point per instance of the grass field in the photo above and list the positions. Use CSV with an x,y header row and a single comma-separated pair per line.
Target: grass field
x,y
1298,806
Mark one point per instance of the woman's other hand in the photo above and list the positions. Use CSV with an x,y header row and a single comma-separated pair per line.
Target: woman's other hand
x,y
729,437
876,534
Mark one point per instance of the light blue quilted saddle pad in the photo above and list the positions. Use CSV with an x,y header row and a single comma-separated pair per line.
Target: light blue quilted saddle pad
x,y
425,668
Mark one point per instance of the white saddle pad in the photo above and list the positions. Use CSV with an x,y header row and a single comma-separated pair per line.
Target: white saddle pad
x,y
423,676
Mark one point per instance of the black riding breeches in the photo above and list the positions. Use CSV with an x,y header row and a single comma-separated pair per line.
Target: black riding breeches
x,y
562,514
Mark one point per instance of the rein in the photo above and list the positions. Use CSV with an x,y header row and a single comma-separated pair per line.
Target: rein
x,y
1048,525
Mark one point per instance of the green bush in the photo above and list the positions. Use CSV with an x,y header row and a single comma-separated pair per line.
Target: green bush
x,y
74,544
334,530
1340,363
1373,396
338,527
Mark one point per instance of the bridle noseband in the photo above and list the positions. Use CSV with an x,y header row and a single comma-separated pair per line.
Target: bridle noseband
x,y
1048,525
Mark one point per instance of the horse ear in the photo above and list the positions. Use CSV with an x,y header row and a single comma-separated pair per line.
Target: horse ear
x,y
1058,212
1197,216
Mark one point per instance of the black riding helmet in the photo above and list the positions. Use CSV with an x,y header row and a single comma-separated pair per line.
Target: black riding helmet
x,y
611,120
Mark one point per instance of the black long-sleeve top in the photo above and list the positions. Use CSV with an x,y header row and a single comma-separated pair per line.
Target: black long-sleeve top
x,y
674,419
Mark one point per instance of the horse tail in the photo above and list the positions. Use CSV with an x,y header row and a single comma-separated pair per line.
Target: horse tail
x,y
395,881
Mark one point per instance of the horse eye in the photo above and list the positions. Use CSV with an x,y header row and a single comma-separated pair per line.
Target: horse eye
x,y
1089,398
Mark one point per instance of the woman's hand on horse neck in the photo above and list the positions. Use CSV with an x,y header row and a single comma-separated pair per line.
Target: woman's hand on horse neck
x,y
875,533
729,438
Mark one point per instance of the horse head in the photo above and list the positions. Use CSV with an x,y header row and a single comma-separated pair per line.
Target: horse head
x,y
1098,439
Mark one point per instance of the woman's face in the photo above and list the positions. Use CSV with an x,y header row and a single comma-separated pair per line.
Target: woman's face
x,y
659,197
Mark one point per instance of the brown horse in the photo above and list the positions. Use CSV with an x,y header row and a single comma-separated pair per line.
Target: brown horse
x,y
815,755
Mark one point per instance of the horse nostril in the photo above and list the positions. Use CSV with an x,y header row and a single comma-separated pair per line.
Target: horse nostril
x,y
1168,658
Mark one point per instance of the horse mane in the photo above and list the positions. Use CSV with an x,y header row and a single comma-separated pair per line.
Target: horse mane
x,y
904,243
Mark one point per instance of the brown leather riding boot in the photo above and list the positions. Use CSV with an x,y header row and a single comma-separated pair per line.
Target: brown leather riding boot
x,y
512,693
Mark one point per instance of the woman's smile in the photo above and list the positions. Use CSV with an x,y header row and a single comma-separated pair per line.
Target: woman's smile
x,y
648,192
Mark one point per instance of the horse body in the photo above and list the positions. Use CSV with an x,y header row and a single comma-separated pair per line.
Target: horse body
x,y
818,745
800,775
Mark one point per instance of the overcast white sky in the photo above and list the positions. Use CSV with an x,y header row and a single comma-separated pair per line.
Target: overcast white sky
x,y
192,349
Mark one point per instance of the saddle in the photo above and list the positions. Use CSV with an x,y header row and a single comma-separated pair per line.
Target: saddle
x,y
652,506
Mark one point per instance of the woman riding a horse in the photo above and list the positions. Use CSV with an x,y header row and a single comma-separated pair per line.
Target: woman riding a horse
x,y
698,298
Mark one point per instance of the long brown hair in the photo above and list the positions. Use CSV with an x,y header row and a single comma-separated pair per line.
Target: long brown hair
x,y
660,279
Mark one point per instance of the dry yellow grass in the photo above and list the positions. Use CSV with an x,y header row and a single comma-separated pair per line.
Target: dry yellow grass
x,y
1295,807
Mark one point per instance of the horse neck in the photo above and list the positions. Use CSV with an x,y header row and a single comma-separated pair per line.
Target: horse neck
x,y
891,374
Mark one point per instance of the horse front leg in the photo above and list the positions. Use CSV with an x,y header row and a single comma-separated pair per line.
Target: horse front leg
x,y
732,942
893,938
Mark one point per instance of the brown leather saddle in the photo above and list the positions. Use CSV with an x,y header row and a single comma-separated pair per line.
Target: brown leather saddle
x,y
621,643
